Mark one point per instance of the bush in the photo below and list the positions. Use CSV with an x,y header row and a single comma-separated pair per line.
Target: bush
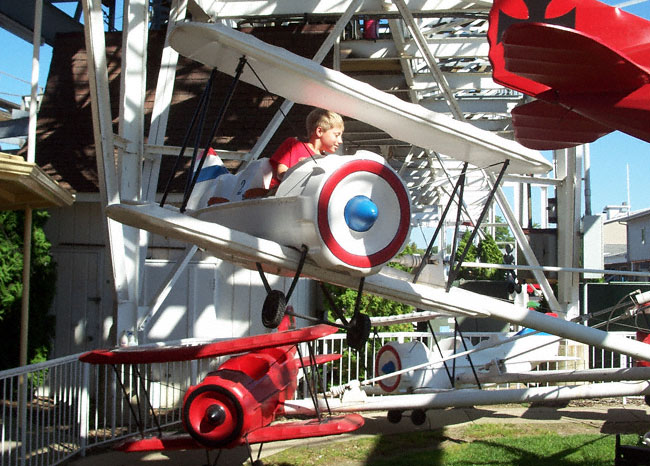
x,y
42,289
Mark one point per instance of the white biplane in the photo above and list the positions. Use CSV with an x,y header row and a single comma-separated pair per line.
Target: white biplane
x,y
305,229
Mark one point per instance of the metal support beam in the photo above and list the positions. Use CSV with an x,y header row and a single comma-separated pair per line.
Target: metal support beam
x,y
104,145
162,102
165,289
135,37
529,255
421,42
569,167
397,32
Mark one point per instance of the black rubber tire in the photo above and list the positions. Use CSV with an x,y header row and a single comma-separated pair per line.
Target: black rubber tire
x,y
359,331
273,309
394,416
418,417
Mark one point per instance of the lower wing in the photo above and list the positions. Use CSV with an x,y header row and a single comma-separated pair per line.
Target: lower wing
x,y
273,433
243,249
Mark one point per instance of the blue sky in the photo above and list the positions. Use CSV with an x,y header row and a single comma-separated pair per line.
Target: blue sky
x,y
610,155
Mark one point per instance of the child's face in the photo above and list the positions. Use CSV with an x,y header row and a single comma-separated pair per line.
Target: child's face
x,y
330,139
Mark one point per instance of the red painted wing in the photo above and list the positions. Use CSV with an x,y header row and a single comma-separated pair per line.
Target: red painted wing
x,y
568,61
168,442
281,431
143,355
621,32
306,429
543,126
320,359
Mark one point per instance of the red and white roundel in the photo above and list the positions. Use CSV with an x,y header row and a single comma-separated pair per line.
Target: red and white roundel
x,y
388,361
387,235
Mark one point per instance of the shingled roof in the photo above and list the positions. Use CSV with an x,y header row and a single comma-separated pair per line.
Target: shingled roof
x,y
65,145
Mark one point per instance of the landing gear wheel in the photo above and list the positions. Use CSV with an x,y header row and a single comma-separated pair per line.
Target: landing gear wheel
x,y
273,309
258,463
359,331
418,416
394,416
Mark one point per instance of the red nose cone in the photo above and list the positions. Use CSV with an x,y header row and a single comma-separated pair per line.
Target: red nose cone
x,y
212,416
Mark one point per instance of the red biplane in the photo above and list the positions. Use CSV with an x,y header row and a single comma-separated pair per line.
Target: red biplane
x,y
236,404
586,63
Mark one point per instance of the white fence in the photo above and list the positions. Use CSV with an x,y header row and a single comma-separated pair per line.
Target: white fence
x,y
57,409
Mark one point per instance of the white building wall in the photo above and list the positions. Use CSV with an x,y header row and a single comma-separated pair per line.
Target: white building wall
x,y
638,239
212,299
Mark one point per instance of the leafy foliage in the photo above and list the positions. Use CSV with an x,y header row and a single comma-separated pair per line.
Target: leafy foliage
x,y
487,252
502,233
42,289
345,299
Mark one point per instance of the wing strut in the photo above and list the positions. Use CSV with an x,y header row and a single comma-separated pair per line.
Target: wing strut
x,y
427,254
444,362
469,356
453,271
138,419
200,113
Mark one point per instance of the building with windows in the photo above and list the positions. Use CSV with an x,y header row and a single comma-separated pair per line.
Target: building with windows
x,y
627,243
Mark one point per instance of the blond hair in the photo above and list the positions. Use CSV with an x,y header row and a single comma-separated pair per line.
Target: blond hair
x,y
323,118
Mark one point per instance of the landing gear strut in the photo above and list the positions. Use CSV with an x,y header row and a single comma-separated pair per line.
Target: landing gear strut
x,y
358,331
275,307
275,303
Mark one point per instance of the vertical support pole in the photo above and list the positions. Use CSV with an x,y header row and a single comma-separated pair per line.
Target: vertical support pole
x,y
529,255
135,36
84,407
568,205
27,259
104,146
162,102
587,177
543,206
31,158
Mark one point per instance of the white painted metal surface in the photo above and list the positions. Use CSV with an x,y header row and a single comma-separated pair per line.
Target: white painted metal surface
x,y
475,397
303,81
310,208
246,250
252,8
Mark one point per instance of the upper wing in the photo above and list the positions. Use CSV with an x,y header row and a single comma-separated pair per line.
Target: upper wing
x,y
567,61
304,81
544,126
143,354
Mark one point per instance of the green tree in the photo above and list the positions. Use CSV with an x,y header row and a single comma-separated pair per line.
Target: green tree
x,y
466,273
502,233
487,251
42,289
374,306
